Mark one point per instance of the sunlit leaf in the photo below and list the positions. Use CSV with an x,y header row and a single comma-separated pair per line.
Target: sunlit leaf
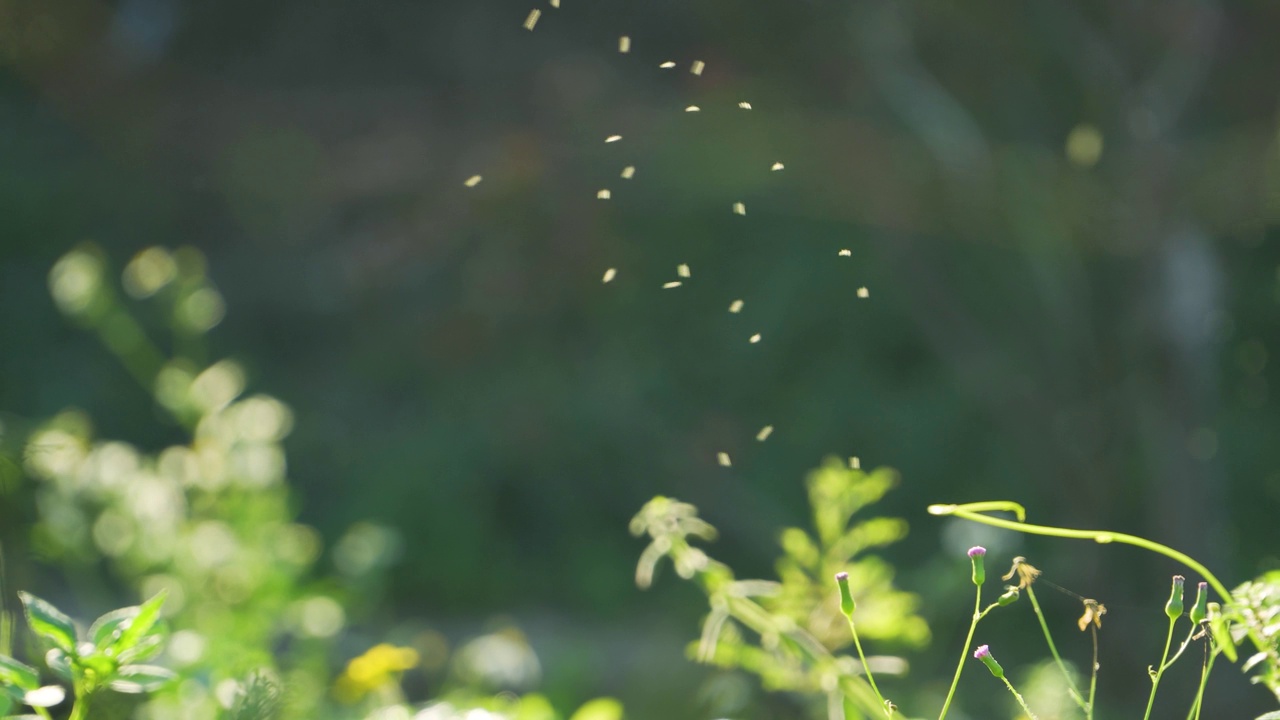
x,y
13,672
107,628
59,663
141,678
49,622
141,624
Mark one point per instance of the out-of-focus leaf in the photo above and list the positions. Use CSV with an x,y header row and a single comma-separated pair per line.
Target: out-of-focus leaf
x,y
45,697
107,628
604,708
49,622
141,624
13,672
141,678
59,663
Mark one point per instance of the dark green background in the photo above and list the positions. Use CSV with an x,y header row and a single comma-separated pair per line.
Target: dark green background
x,y
1039,331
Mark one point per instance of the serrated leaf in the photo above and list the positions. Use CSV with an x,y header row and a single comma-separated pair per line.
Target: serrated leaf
x,y
107,628
45,697
141,624
59,663
49,622
141,678
13,672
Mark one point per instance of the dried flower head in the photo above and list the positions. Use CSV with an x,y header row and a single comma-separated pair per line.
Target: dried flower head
x,y
1026,572
1093,612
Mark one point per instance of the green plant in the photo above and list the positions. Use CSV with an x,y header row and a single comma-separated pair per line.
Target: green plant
x,y
1250,612
106,658
789,631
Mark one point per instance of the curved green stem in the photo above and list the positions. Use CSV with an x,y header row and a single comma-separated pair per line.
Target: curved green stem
x,y
1044,626
973,511
1155,678
964,651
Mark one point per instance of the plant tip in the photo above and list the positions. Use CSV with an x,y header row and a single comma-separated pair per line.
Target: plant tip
x,y
977,550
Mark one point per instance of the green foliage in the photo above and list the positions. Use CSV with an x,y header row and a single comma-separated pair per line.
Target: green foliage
x,y
108,658
1255,611
788,631
205,527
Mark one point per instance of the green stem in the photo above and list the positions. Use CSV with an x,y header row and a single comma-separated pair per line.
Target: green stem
x,y
1099,536
44,713
1155,679
964,651
1182,648
1204,680
865,666
1021,702
1044,626
1093,679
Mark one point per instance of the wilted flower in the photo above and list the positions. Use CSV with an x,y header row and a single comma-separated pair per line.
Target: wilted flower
x,y
1026,572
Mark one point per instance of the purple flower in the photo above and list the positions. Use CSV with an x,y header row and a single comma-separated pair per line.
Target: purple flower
x,y
976,555
983,653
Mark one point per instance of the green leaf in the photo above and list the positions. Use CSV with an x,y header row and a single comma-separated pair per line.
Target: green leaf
x,y
107,628
146,648
49,622
1273,715
1254,660
141,624
604,708
59,663
6,703
45,697
141,678
101,664
19,674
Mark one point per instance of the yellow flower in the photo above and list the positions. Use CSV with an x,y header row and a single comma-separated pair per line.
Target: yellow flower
x,y
380,665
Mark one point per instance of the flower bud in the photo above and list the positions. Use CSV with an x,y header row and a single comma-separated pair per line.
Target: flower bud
x,y
976,556
1200,610
983,653
1010,596
1173,608
846,597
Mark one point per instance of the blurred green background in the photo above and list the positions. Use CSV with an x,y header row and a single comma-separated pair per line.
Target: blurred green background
x,y
1065,214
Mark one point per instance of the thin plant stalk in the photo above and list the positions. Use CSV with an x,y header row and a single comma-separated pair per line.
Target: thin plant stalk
x,y
1155,679
964,651
866,668
1206,668
1093,675
1071,685
1017,696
